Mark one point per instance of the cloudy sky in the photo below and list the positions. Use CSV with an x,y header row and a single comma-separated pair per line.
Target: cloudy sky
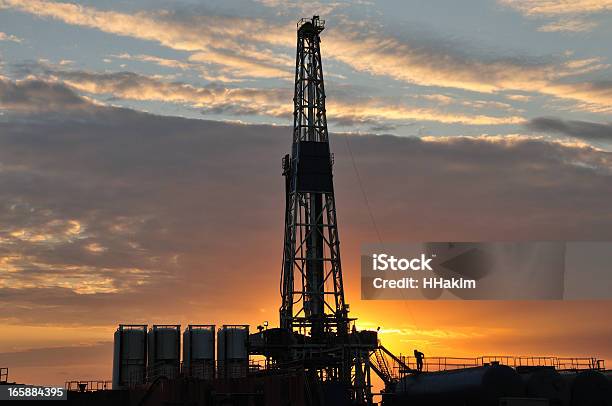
x,y
140,178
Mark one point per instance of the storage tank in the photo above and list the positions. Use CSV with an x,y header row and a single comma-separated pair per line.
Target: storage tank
x,y
589,388
199,351
130,355
164,351
545,383
232,352
480,386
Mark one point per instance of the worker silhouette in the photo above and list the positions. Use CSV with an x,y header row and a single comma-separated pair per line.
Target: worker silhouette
x,y
419,360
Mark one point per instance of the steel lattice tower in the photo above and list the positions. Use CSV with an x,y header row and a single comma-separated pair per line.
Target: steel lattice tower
x,y
312,291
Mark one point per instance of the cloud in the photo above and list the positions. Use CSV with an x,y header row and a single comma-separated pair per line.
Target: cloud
x,y
430,67
226,42
518,97
347,109
293,7
580,129
568,25
115,215
569,12
8,37
133,86
38,96
228,49
58,356
446,100
594,96
165,62
368,111
558,7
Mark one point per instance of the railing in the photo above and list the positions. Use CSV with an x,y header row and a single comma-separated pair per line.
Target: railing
x,y
256,365
433,364
87,386
200,369
170,371
232,369
383,362
576,364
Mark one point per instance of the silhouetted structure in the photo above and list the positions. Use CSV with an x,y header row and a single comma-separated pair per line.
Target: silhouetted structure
x,y
311,255
313,308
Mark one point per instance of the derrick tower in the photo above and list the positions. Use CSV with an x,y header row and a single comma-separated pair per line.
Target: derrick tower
x,y
312,291
313,313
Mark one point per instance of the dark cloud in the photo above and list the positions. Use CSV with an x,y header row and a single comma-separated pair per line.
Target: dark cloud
x,y
38,96
115,215
580,129
382,128
55,356
131,85
213,98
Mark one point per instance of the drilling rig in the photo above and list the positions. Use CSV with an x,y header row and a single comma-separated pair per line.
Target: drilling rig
x,y
313,305
316,333
312,291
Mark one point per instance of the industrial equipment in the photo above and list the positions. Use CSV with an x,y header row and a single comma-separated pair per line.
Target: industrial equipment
x,y
471,386
232,352
199,351
164,352
130,355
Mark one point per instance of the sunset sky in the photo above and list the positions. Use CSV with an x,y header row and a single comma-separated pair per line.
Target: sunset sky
x,y
140,163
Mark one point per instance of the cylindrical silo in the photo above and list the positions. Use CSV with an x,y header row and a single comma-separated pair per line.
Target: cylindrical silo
x,y
164,351
199,351
130,355
545,383
481,386
232,351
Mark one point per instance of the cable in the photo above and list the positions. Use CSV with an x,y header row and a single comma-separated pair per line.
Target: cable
x,y
370,212
363,193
